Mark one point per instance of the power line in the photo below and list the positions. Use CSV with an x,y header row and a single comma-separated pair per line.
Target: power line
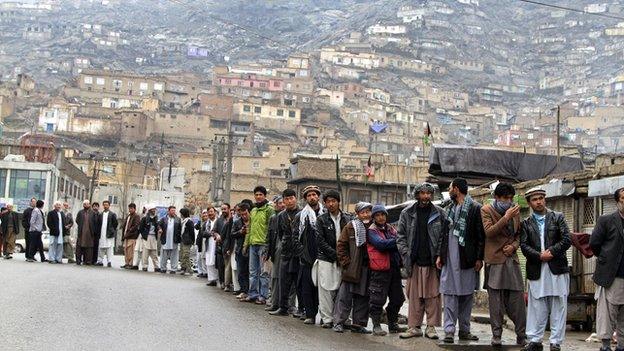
x,y
559,7
230,23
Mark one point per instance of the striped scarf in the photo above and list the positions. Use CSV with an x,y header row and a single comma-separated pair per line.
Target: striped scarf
x,y
459,227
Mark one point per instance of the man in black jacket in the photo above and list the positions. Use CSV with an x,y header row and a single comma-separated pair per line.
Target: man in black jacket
x,y
56,224
26,224
224,228
607,243
305,248
274,250
107,230
544,240
461,258
289,263
328,228
170,231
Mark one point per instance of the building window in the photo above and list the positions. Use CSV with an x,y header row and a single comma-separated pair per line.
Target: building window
x,y
356,196
280,112
143,86
257,109
100,81
3,175
113,199
158,86
246,108
589,212
26,184
276,84
391,198
88,80
292,114
255,164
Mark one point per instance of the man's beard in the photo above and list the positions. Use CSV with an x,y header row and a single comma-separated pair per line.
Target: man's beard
x,y
620,207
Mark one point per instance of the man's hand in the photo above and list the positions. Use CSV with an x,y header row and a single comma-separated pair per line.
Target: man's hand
x,y
228,253
478,265
439,263
512,212
508,250
217,237
546,256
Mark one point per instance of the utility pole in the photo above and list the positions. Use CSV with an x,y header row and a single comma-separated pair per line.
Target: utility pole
x,y
228,164
93,176
558,132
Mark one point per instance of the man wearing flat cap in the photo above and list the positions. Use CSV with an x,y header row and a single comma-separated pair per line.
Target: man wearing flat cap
x,y
420,231
544,240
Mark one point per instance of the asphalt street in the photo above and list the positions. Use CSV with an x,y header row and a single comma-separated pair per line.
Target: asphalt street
x,y
68,307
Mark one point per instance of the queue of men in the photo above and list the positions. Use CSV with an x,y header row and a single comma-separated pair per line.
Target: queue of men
x,y
318,261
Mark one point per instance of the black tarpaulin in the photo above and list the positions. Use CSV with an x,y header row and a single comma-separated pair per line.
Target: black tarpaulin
x,y
489,163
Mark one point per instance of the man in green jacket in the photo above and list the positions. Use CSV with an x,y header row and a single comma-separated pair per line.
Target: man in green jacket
x,y
255,244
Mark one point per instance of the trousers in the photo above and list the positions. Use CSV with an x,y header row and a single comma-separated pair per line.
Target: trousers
x,y
84,255
129,245
242,264
537,318
457,308
386,285
36,245
185,258
170,255
610,313
309,293
511,302
350,303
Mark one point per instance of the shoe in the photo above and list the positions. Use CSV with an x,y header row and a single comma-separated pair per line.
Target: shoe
x,y
522,341
279,312
377,331
555,347
467,336
271,308
30,260
360,330
533,346
236,292
156,270
449,338
99,264
227,289
302,317
182,273
248,299
297,314
144,269
71,261
51,262
431,333
309,321
395,328
327,325
496,341
260,301
212,283
338,328
172,272
124,266
8,257
134,268
163,271
411,333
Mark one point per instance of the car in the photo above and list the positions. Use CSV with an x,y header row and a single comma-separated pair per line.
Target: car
x,y
20,244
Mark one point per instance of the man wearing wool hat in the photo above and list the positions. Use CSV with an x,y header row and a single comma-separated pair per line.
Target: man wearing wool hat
x,y
420,231
544,240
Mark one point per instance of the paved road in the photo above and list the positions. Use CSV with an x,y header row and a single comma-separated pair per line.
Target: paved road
x,y
66,307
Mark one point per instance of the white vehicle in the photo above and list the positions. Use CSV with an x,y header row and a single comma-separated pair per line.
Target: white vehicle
x,y
20,244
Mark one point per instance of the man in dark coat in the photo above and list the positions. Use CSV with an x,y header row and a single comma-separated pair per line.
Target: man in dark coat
x,y
544,240
170,230
26,224
86,220
10,230
56,224
607,243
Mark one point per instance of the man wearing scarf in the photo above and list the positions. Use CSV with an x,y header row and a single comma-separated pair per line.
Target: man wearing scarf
x,y
353,258
544,239
420,230
461,259
305,247
256,242
503,278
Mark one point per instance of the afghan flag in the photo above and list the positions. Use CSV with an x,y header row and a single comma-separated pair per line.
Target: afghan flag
x,y
427,135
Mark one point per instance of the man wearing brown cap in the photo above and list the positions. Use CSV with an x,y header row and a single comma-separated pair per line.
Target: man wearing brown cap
x,y
544,239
